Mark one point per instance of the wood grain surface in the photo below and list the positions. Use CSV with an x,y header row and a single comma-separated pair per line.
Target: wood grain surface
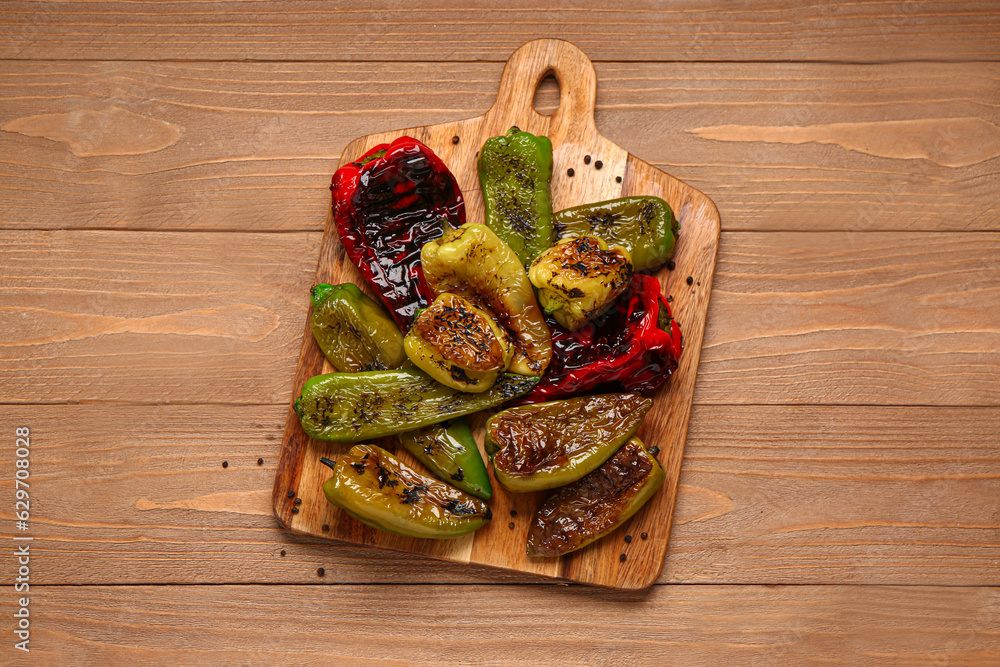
x,y
162,197
528,625
250,146
775,30
768,494
298,499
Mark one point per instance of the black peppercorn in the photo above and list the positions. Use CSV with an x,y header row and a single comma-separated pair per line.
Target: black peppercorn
x,y
622,558
295,510
326,527
598,164
628,538
260,462
291,494
645,536
298,501
618,179
570,172
586,159
282,552
321,572
511,525
670,265
225,464
513,512
690,280
454,139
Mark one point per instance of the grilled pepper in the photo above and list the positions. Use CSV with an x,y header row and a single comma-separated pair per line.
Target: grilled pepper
x,y
644,225
579,278
348,407
450,452
386,206
588,509
458,344
514,173
353,331
473,262
634,346
542,446
374,487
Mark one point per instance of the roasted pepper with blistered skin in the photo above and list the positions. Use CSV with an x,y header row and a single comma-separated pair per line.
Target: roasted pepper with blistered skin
x,y
386,205
579,278
458,344
353,331
576,515
450,452
514,174
644,225
542,446
374,487
634,346
473,262
350,407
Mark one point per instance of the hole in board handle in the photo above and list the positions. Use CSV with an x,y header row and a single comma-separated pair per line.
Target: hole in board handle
x,y
546,100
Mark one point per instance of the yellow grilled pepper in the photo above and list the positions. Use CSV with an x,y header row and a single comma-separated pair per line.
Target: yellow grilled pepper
x,y
458,344
579,278
473,262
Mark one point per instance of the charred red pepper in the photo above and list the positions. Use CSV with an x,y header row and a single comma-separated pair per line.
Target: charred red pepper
x,y
386,206
634,346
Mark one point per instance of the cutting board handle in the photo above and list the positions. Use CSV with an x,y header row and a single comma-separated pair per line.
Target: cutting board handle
x,y
529,65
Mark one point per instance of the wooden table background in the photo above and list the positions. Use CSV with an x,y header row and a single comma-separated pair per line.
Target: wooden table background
x,y
163,175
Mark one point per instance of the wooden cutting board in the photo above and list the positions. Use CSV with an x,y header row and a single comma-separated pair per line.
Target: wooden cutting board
x,y
579,146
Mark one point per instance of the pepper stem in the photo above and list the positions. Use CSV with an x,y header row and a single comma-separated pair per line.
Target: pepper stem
x,y
653,451
328,462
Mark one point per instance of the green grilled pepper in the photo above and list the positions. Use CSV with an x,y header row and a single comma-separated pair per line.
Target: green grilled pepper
x,y
545,445
374,487
349,407
588,509
353,331
450,452
514,173
644,225
458,344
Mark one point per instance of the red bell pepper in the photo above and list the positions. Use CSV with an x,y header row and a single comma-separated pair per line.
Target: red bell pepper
x,y
386,205
635,347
